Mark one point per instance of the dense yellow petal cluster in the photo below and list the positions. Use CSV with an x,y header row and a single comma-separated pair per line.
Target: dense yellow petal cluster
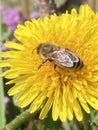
x,y
65,93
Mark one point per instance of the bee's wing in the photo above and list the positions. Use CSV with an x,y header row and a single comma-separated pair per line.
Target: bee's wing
x,y
72,56
61,58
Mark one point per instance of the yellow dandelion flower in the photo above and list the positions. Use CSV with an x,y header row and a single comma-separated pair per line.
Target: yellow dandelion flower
x,y
64,90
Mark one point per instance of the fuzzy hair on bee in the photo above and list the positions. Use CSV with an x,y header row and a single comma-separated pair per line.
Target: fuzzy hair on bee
x,y
62,57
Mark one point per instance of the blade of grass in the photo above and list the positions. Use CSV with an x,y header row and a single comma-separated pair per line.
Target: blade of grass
x,y
97,5
2,105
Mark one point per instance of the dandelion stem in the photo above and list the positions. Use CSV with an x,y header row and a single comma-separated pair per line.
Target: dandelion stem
x,y
19,120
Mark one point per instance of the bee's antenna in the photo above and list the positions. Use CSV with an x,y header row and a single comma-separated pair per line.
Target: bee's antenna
x,y
33,50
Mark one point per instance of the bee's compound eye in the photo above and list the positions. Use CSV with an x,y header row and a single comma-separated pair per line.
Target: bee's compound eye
x,y
45,48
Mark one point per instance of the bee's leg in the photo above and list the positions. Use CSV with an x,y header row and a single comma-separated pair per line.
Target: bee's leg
x,y
56,70
43,61
55,67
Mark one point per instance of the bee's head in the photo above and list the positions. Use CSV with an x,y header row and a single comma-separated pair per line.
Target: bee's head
x,y
44,48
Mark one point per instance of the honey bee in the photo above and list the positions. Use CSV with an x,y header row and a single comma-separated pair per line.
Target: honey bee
x,y
64,58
